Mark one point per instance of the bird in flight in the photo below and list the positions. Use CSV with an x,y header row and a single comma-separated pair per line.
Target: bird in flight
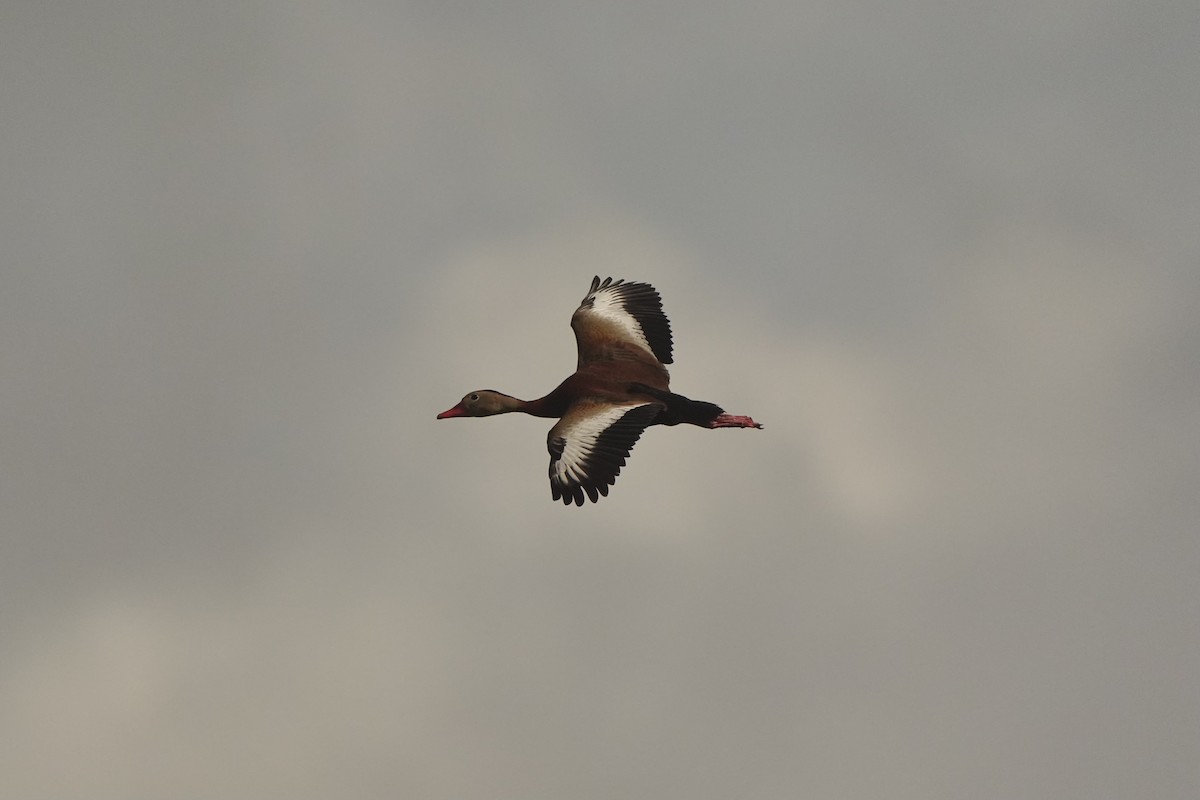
x,y
619,388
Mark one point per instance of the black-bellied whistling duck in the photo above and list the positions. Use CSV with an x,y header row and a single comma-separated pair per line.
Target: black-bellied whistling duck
x,y
620,388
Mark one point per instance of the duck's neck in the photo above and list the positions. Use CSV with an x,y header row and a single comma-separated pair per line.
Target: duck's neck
x,y
542,407
552,405
507,404
549,406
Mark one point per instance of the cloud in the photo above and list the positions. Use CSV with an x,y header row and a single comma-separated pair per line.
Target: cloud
x,y
253,255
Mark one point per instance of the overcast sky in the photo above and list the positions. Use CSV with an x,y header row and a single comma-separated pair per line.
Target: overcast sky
x,y
947,252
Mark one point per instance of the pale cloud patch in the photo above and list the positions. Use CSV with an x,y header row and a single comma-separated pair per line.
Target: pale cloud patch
x,y
313,662
85,693
854,417
1066,306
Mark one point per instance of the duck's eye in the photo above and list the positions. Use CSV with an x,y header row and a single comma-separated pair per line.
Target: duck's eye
x,y
473,397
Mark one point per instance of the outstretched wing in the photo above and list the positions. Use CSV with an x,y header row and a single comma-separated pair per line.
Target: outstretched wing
x,y
619,315
589,446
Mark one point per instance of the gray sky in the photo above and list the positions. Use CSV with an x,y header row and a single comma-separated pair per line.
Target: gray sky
x,y
947,252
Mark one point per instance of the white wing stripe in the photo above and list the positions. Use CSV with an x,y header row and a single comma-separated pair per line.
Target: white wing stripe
x,y
607,305
580,441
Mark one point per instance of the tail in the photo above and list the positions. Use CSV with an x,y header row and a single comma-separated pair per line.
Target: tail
x,y
680,409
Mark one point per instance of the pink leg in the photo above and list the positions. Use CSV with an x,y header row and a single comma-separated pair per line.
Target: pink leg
x,y
733,421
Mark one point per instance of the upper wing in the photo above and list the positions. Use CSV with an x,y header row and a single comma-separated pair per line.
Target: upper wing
x,y
589,446
616,314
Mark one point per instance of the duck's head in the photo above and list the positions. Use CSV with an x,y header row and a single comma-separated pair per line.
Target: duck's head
x,y
481,403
